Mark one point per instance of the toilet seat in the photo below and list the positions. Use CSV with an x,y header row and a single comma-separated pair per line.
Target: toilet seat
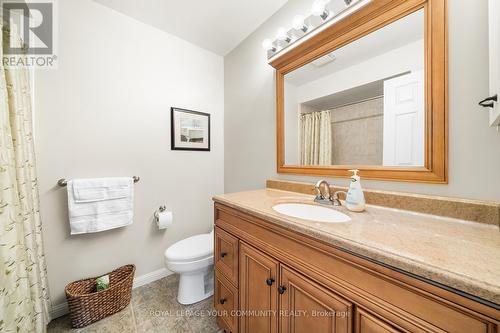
x,y
193,248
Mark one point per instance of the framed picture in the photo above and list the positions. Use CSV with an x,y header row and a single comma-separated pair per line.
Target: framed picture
x,y
190,130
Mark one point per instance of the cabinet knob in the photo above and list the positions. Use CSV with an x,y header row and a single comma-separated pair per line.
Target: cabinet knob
x,y
270,281
281,289
222,301
223,254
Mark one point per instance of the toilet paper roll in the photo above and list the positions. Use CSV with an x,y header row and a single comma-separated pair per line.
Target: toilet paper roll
x,y
164,219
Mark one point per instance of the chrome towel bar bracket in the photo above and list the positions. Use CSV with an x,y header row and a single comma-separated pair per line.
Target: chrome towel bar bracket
x,y
63,182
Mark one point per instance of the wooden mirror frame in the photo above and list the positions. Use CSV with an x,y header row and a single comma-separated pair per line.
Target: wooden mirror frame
x,y
369,18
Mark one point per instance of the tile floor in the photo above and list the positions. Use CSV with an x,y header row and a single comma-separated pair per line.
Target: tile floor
x,y
154,308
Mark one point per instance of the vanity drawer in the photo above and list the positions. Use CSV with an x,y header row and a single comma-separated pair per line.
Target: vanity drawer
x,y
226,255
226,303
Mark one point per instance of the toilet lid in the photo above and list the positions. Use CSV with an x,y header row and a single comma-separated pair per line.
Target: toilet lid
x,y
191,248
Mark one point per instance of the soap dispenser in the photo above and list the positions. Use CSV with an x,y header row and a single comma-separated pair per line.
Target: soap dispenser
x,y
355,200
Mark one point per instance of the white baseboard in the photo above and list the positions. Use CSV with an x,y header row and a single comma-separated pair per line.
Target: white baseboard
x,y
59,310
139,281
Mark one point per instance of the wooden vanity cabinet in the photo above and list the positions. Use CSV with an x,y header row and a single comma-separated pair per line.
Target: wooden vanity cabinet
x,y
304,305
282,281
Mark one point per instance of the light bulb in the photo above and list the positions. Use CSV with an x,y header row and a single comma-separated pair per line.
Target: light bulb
x,y
319,8
281,34
298,23
267,45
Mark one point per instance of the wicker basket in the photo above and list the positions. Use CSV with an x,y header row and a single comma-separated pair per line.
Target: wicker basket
x,y
86,305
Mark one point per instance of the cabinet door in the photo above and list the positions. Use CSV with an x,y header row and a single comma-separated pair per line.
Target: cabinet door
x,y
258,291
367,323
306,306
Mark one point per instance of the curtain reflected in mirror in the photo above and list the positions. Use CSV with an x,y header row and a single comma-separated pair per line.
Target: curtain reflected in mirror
x,y
315,138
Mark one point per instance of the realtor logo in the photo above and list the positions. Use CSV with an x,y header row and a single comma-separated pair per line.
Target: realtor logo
x,y
31,33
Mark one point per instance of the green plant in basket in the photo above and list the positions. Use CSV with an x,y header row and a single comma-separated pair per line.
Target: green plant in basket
x,y
102,282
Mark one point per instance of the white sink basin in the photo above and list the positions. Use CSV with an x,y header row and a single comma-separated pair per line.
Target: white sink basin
x,y
311,212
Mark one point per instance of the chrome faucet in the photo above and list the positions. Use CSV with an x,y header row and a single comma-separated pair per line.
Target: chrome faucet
x,y
320,196
326,198
335,198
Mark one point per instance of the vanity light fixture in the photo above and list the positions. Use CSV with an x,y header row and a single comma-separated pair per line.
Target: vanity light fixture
x,y
298,23
282,35
305,27
319,9
267,45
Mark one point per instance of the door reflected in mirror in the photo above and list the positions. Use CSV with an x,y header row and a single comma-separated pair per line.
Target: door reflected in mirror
x,y
363,103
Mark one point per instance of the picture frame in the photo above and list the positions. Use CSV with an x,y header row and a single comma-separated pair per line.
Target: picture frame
x,y
190,130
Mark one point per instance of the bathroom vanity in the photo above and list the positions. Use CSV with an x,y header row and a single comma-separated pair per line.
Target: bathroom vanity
x,y
386,270
367,92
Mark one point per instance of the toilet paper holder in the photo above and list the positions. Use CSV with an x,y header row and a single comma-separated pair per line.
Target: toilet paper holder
x,y
161,209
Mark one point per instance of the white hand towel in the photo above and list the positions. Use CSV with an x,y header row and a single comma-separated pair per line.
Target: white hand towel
x,y
100,204
99,189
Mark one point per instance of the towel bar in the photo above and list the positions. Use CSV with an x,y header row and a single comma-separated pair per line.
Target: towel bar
x,y
63,182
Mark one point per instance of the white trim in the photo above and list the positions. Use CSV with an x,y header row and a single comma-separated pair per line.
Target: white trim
x,y
150,277
58,310
61,309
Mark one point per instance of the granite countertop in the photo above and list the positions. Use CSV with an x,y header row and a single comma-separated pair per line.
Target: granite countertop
x,y
459,254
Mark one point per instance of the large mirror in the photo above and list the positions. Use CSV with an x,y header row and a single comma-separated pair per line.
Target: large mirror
x,y
368,103
362,104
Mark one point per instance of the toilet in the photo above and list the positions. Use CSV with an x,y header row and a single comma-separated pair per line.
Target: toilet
x,y
193,259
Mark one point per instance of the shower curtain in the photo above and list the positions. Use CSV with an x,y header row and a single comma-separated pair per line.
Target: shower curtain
x,y
315,138
24,298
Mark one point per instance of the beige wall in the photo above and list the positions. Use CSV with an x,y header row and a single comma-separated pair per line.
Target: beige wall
x,y
357,133
474,148
106,112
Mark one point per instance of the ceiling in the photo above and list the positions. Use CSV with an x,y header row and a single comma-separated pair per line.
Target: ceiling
x,y
216,25
353,95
